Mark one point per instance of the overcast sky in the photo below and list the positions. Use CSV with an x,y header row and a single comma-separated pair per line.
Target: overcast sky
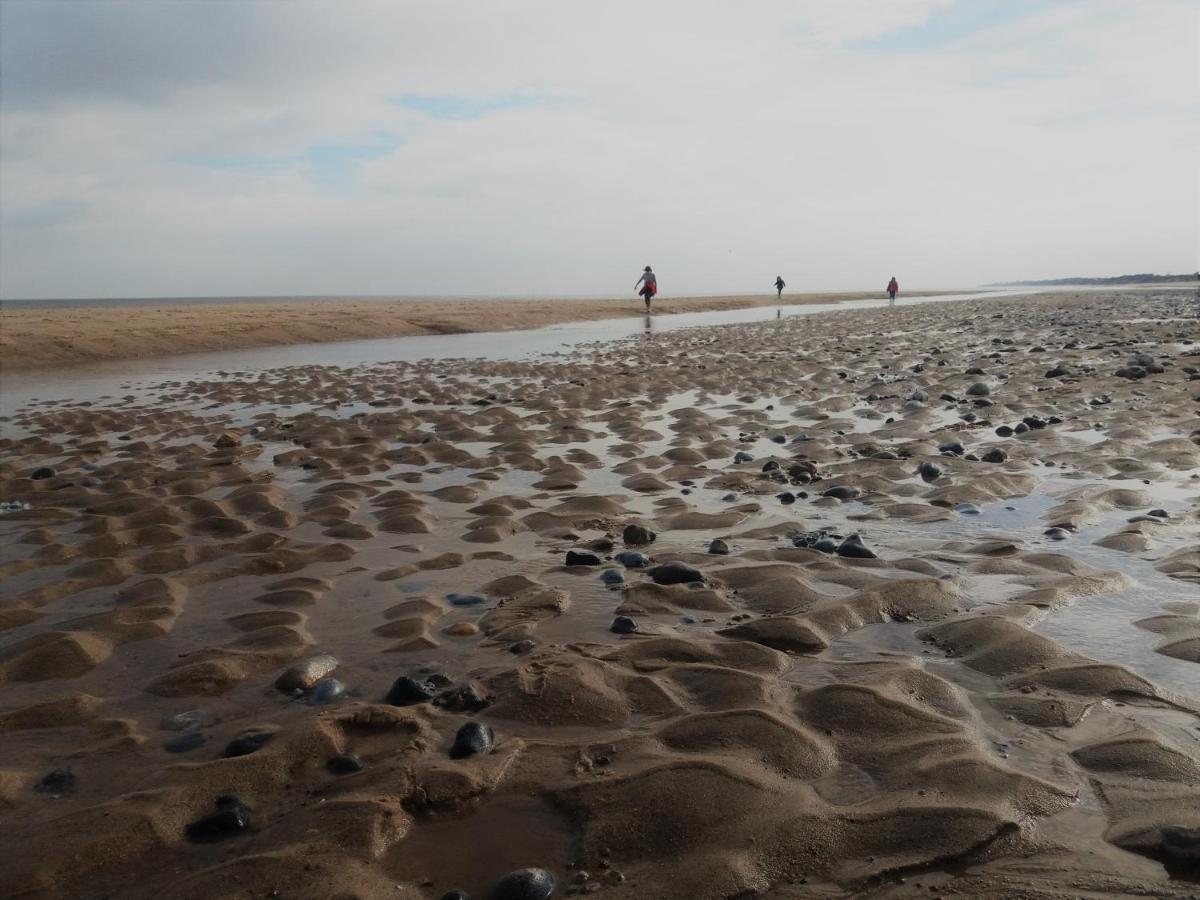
x,y
442,147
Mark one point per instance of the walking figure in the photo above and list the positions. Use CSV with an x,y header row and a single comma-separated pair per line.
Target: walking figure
x,y
893,289
649,286
779,286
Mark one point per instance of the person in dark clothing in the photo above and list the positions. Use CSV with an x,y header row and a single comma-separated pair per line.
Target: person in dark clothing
x,y
647,286
893,289
779,286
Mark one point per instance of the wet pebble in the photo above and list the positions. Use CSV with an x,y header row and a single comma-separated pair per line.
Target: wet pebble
x,y
786,498
461,629
842,492
465,599
742,457
929,471
344,765
637,535
612,576
407,691
58,783
967,509
462,698
995,455
853,548
978,389
954,448
456,894
327,690
231,818
1057,534
623,625
524,884
675,573
186,742
575,558
521,647
473,738
41,473
245,744
631,559
718,547
302,677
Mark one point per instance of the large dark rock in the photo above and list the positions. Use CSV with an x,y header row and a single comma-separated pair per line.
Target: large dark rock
x,y
637,535
853,548
473,738
675,573
407,691
231,818
245,744
575,558
524,884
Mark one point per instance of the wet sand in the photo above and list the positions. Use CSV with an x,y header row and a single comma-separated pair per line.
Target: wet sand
x,y
31,338
913,609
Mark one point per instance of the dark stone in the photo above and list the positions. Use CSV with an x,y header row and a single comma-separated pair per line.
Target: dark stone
x,y
58,783
995,455
825,545
954,448
1034,422
1057,534
779,438
471,739
524,884
456,894
675,573
521,647
929,471
918,396
1132,373
623,625
718,547
637,535
1158,514
1004,431
245,744
327,690
612,576
742,457
979,389
407,691
974,370
186,742
633,560
854,548
465,599
842,492
231,818
967,509
1058,371
575,558
41,473
462,698
786,498
1021,428
90,482
344,765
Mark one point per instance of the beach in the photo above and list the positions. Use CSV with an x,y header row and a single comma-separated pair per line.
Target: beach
x,y
887,602
47,337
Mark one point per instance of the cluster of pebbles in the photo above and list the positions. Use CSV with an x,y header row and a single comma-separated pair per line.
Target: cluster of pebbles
x,y
902,601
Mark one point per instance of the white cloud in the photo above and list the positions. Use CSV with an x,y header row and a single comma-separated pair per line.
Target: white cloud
x,y
153,149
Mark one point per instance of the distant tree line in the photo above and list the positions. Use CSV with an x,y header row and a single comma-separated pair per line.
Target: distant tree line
x,y
1144,278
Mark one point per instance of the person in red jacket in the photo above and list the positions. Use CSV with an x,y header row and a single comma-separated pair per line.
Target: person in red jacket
x,y
893,289
648,285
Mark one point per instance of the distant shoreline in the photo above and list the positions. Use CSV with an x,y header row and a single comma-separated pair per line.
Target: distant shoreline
x,y
52,336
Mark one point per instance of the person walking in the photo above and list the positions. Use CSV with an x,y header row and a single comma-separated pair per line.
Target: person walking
x,y
647,286
780,284
893,289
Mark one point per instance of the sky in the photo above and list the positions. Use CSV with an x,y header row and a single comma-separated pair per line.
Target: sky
x,y
448,147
